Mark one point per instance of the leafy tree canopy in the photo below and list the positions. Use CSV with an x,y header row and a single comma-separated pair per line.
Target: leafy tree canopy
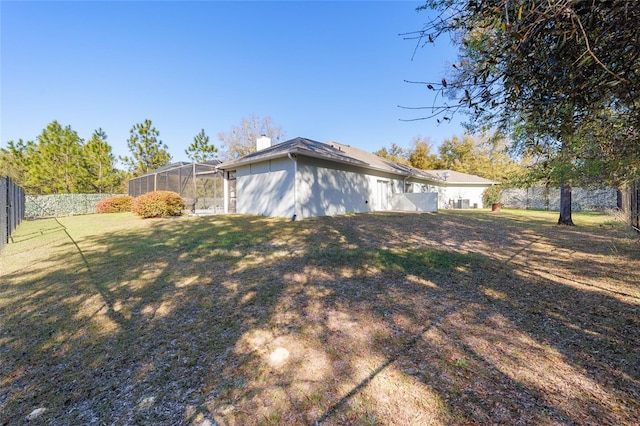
x,y
14,161
59,161
395,153
241,139
420,155
546,72
544,60
485,156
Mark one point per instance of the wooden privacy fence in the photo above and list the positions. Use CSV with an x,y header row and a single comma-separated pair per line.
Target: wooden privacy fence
x,y
12,202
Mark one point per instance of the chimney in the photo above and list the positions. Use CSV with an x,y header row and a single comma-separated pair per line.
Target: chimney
x,y
263,142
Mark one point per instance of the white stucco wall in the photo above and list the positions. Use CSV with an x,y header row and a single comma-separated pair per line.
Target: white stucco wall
x,y
326,188
266,188
473,193
417,202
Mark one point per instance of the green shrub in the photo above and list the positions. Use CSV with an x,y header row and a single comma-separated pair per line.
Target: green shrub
x,y
492,195
117,204
158,204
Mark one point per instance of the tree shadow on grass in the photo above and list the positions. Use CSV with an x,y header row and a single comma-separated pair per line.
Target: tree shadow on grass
x,y
248,320
587,338
127,329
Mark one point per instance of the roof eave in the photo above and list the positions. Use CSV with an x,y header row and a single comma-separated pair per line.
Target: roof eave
x,y
301,151
281,154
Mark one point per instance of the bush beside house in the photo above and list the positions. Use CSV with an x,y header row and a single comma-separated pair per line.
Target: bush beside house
x,y
117,204
492,195
158,204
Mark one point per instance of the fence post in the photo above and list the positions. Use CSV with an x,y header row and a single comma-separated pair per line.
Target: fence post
x,y
4,211
11,208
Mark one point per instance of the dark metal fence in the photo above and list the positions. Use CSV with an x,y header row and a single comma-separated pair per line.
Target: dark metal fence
x,y
12,201
200,184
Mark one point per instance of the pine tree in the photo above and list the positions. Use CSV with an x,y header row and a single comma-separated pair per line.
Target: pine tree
x,y
101,174
147,151
201,150
55,164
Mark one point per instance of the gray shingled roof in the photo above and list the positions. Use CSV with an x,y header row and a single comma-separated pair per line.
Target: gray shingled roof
x,y
300,146
346,154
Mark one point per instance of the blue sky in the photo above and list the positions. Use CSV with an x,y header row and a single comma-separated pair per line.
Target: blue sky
x,y
321,70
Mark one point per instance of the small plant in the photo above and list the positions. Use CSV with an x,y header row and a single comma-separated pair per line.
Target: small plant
x,y
461,363
158,204
117,204
492,195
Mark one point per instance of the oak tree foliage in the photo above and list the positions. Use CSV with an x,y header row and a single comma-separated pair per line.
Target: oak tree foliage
x,y
546,72
420,155
486,156
394,153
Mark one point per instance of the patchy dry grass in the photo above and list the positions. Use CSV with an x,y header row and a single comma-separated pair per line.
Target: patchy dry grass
x,y
448,318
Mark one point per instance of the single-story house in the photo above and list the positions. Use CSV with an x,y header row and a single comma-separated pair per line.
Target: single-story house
x,y
302,178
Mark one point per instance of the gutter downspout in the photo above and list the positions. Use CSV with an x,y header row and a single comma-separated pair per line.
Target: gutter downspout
x,y
295,177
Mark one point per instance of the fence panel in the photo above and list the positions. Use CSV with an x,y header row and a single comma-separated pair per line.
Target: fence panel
x,y
57,205
12,201
582,199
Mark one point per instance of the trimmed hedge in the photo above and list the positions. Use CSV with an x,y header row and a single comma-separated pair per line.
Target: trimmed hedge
x,y
117,204
158,204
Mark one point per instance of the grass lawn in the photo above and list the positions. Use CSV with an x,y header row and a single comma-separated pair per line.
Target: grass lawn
x,y
459,317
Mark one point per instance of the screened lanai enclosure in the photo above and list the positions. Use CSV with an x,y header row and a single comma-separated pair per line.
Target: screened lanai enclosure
x,y
200,184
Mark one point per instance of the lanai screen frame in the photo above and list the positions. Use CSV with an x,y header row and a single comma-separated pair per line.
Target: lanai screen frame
x,y
200,184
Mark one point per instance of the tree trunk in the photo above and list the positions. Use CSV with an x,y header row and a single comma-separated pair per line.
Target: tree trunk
x,y
565,206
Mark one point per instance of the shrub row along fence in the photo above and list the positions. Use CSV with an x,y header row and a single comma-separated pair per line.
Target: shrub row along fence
x,y
12,208
55,205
